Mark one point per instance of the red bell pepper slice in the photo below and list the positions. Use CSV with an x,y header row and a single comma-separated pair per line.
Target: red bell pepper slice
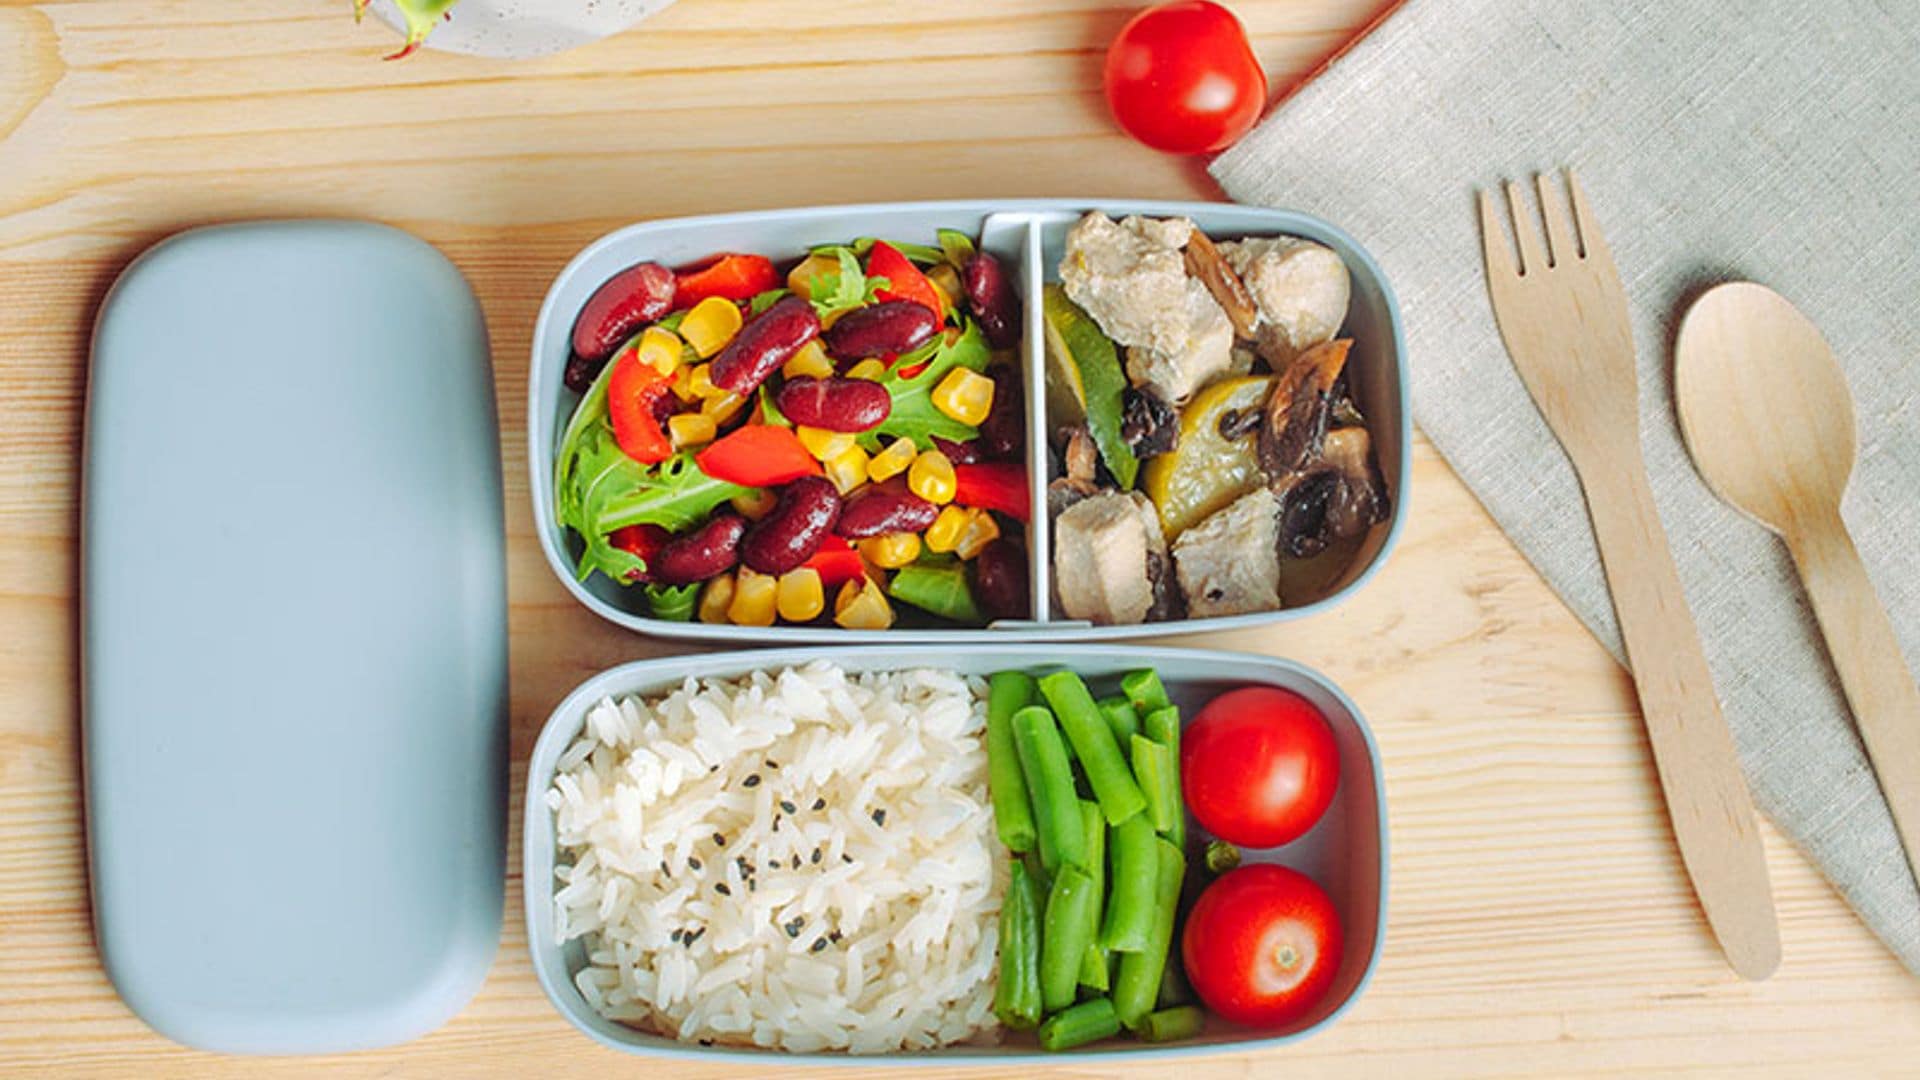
x,y
904,280
836,562
632,391
641,541
758,455
735,277
993,485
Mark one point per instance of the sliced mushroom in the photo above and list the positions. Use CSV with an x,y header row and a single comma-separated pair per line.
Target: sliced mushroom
x,y
1104,548
1339,498
1148,423
1299,410
1081,456
1205,262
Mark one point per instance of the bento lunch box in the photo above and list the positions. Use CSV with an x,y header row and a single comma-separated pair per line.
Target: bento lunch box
x,y
1027,235
1346,852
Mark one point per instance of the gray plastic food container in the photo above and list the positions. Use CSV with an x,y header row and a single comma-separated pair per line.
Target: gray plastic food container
x,y
1346,852
1028,236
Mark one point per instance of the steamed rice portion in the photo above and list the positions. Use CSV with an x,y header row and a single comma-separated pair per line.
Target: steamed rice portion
x,y
798,859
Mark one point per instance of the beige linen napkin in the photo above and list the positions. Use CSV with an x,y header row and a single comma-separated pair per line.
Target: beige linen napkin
x,y
1773,140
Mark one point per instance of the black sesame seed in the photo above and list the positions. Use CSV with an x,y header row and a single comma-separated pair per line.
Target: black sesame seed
x,y
665,869
722,889
694,861
796,862
677,935
706,1042
772,764
817,852
819,944
845,858
719,839
880,818
834,937
713,768
793,928
774,865
693,937
752,885
776,823
789,807
751,781
819,804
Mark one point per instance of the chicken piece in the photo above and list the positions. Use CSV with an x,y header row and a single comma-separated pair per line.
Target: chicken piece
x,y
1204,355
1131,278
1104,549
1229,564
1301,288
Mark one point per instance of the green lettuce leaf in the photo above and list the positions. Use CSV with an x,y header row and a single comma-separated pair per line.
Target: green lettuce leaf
x,y
913,414
848,288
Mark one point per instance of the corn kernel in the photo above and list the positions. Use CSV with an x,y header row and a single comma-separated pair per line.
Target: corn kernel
x,y
892,461
931,477
892,551
710,325
981,530
715,597
944,534
811,361
863,607
868,369
660,350
964,395
753,599
690,429
947,280
683,381
800,278
722,407
755,504
799,595
824,445
847,469
700,381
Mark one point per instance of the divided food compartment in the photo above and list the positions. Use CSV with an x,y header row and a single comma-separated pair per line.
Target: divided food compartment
x,y
1346,852
1028,236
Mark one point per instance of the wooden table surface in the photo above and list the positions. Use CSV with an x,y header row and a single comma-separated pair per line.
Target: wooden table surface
x,y
1540,921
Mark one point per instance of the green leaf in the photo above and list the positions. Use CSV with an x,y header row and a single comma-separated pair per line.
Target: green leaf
x,y
770,410
956,246
673,603
920,253
937,586
763,301
913,414
848,288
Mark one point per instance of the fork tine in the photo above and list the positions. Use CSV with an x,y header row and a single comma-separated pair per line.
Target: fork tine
x,y
1526,232
1553,207
1493,241
1591,241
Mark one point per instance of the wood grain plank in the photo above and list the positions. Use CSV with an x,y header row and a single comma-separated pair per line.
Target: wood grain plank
x,y
1540,923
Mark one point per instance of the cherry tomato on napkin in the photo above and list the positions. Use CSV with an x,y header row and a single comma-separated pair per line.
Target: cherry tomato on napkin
x,y
1182,78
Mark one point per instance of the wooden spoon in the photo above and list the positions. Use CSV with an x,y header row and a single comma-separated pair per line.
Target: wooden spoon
x,y
1768,418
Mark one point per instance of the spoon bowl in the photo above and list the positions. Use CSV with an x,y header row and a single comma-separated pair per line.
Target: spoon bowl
x,y
1764,405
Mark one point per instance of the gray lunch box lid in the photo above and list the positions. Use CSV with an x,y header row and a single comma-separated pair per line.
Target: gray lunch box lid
x,y
294,638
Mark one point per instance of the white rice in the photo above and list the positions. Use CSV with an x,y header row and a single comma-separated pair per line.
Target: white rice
x,y
884,935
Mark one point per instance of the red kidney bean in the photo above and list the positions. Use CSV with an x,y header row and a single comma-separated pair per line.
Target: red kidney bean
x,y
706,552
886,507
992,300
792,531
960,453
893,326
762,345
628,301
1000,580
835,403
580,373
1004,429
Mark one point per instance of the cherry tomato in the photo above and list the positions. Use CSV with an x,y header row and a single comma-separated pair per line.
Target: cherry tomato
x,y
1259,766
1262,945
1182,78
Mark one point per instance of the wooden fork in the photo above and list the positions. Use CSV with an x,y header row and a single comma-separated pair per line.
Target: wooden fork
x,y
1563,316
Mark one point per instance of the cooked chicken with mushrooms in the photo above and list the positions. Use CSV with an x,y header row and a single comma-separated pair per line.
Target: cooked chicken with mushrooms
x,y
1233,414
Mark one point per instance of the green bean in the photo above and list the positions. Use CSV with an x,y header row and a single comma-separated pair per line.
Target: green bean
x,y
1064,936
1007,693
1137,982
1089,1021
1154,770
1056,810
1037,873
1163,727
1093,966
1171,1025
1174,988
1136,869
1143,688
1016,996
1120,717
1093,741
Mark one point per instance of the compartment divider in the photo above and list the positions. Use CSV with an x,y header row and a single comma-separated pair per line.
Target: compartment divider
x,y
1033,346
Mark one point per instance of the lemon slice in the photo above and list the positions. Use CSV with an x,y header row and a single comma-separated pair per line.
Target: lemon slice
x,y
1207,471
